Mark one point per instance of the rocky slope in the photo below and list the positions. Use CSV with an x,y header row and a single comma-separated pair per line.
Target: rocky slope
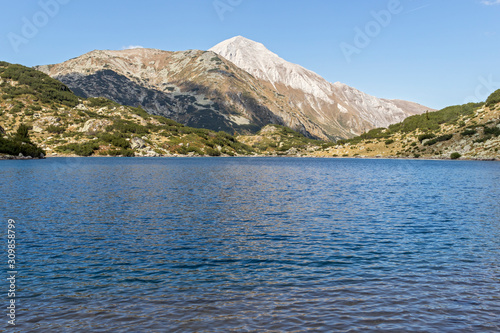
x,y
203,89
337,108
458,132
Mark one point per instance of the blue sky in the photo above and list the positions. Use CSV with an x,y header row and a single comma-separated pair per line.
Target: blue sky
x,y
435,52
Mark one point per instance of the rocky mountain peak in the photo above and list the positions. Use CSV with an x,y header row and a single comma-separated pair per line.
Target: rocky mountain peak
x,y
325,102
256,59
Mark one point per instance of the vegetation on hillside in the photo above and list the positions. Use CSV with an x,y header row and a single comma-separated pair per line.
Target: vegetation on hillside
x,y
472,128
66,124
20,143
40,114
428,122
493,99
280,140
35,83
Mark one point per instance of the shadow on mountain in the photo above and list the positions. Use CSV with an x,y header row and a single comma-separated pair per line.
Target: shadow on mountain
x,y
190,107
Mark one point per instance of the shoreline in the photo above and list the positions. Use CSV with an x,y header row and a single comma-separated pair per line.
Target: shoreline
x,y
11,157
282,156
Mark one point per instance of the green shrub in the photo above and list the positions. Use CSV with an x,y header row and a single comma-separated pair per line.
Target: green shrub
x,y
22,133
166,121
426,136
455,156
441,138
56,129
493,98
117,140
388,142
140,112
38,84
495,131
120,152
127,126
14,148
17,108
468,132
483,139
80,149
212,152
433,120
100,102
20,143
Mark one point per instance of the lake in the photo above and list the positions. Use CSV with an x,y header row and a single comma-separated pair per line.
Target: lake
x,y
253,245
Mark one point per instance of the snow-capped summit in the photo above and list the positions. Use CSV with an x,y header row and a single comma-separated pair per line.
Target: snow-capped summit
x,y
327,104
256,59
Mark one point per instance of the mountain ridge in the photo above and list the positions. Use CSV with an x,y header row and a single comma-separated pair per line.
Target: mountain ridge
x,y
321,99
204,89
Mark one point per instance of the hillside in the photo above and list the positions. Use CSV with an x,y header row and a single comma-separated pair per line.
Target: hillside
x,y
470,131
38,109
276,140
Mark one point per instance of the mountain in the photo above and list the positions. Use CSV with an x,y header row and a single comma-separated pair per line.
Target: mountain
x,y
237,86
337,108
195,88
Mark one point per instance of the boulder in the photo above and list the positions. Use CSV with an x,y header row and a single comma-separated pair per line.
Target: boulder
x,y
37,128
41,123
81,107
137,143
95,125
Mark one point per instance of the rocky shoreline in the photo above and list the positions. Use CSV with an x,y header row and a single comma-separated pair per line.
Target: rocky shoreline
x,y
20,157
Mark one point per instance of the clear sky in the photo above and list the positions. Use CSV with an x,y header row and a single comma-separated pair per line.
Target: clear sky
x,y
434,52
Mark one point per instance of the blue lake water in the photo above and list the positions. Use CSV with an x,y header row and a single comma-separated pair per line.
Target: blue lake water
x,y
253,245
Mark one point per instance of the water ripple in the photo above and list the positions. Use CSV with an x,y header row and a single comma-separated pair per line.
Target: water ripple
x,y
255,245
